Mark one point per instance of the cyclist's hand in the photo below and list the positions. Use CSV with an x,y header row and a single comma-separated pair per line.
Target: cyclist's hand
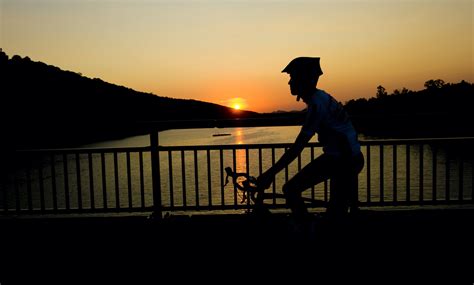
x,y
265,180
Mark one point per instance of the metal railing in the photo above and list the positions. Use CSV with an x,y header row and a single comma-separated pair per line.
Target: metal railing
x,y
191,178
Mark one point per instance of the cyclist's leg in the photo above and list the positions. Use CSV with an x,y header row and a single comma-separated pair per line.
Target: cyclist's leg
x,y
357,166
315,172
339,194
344,186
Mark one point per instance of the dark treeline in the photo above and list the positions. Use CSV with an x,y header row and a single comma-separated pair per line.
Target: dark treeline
x,y
44,106
440,110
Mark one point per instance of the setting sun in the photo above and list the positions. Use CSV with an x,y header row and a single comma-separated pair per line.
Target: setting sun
x,y
237,103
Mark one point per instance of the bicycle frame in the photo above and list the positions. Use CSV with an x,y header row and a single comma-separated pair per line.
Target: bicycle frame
x,y
249,188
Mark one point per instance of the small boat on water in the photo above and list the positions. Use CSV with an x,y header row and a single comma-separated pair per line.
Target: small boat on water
x,y
220,134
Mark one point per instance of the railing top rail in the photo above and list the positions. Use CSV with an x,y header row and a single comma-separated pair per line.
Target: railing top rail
x,y
415,140
86,150
246,146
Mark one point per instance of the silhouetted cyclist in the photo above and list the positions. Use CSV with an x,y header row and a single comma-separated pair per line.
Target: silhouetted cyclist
x,y
341,161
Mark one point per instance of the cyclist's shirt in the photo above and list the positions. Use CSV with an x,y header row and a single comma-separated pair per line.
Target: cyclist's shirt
x,y
327,117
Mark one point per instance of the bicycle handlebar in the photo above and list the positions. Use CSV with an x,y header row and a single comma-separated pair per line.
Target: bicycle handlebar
x,y
249,185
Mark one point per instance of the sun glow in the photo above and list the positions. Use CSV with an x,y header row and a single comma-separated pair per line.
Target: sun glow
x,y
237,103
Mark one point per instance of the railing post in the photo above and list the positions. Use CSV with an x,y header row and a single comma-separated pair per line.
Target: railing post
x,y
155,175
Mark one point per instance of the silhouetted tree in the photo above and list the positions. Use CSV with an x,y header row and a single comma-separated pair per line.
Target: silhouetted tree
x,y
3,57
397,92
405,91
381,92
434,84
16,58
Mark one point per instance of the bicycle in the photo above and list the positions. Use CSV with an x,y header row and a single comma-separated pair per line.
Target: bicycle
x,y
255,196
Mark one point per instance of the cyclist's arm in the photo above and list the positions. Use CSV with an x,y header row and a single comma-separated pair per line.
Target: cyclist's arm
x,y
266,178
295,149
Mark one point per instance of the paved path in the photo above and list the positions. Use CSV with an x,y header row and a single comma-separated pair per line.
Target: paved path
x,y
391,242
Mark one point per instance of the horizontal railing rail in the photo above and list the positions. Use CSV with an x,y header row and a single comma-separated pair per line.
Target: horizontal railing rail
x,y
157,178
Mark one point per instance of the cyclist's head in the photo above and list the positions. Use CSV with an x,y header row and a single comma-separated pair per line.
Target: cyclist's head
x,y
304,67
304,74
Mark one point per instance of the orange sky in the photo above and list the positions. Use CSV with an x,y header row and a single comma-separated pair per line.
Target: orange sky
x,y
225,52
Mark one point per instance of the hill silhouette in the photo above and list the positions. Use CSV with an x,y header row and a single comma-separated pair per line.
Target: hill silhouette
x,y
45,106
